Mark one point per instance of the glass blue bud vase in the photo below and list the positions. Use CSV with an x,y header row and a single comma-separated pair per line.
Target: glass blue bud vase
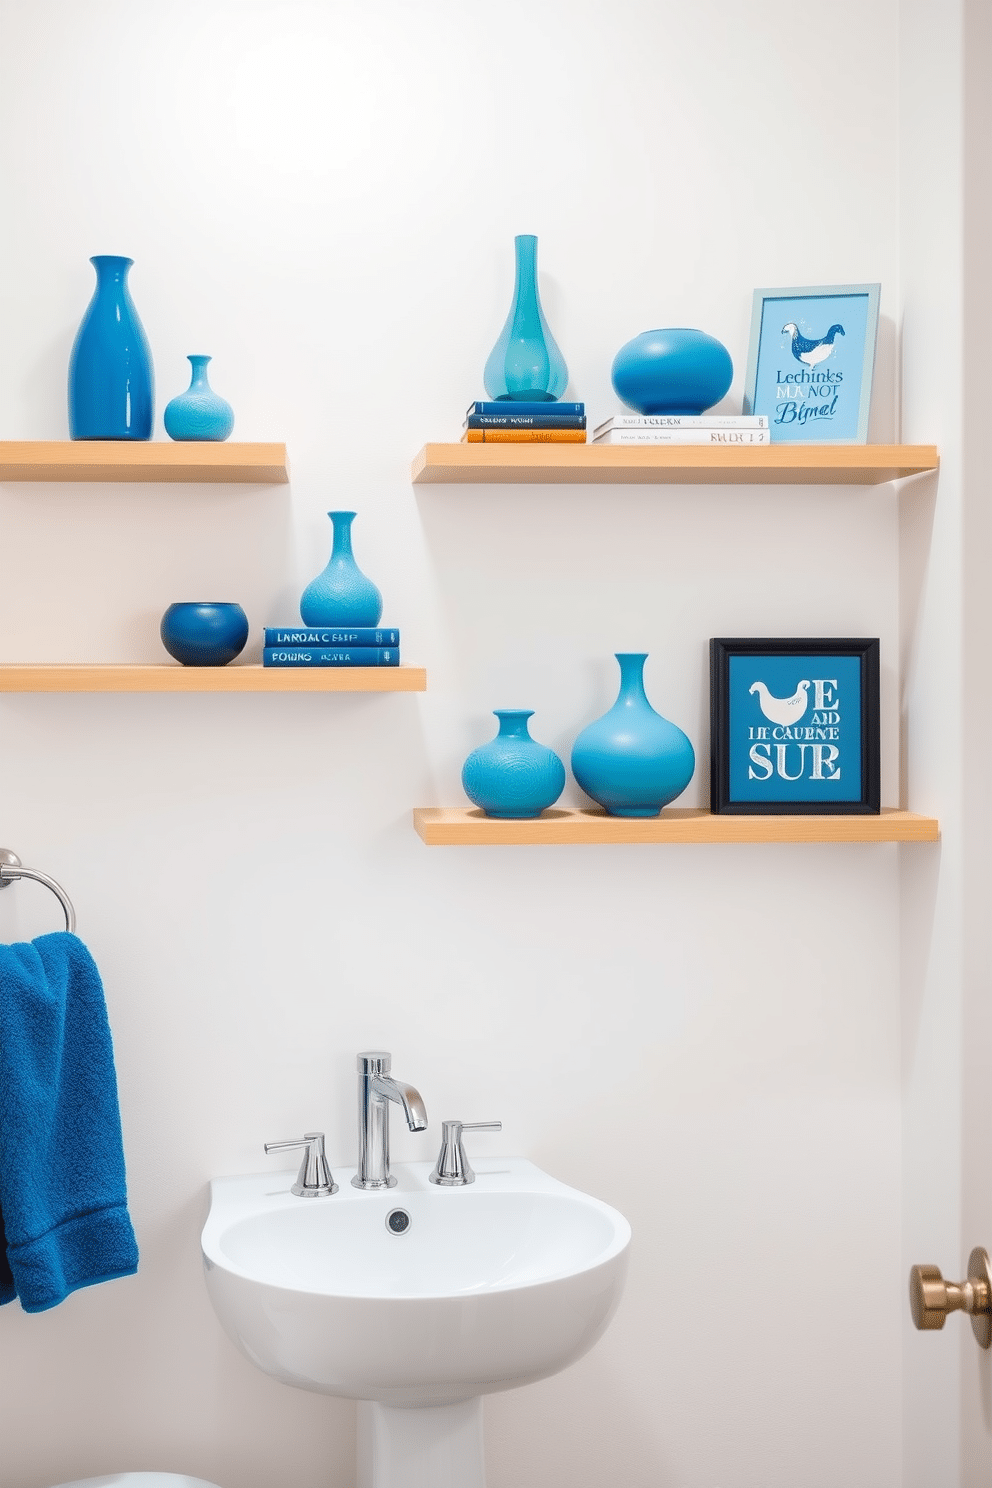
x,y
513,777
198,413
632,761
525,363
341,595
111,384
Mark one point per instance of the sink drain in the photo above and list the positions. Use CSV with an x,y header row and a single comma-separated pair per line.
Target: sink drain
x,y
398,1221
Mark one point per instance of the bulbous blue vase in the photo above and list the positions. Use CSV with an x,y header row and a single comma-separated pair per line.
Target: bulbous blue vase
x,y
204,633
111,384
341,595
672,371
525,363
632,761
198,413
513,777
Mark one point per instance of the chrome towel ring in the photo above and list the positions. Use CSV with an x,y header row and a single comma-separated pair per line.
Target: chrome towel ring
x,y
11,868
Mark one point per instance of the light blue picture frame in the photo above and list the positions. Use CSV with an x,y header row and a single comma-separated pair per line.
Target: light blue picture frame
x,y
810,362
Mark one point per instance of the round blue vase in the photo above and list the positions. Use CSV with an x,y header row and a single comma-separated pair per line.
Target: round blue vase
x,y
198,413
111,385
672,371
513,777
525,364
341,595
632,761
204,633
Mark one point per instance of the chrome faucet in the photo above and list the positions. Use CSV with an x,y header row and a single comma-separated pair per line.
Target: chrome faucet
x,y
376,1088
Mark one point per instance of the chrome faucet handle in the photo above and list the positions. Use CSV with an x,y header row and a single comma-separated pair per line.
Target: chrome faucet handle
x,y
315,1180
452,1169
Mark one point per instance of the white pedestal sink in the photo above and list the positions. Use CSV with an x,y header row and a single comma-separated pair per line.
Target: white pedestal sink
x,y
470,1291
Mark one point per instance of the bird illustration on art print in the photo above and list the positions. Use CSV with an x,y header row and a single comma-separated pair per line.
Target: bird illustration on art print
x,y
782,710
810,353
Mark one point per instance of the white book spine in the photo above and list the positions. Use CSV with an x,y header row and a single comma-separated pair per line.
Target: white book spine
x,y
683,421
725,438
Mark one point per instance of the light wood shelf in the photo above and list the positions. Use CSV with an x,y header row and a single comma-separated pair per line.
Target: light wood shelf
x,y
194,461
442,826
111,677
605,464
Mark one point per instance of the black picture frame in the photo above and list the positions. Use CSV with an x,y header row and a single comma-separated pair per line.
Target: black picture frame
x,y
758,731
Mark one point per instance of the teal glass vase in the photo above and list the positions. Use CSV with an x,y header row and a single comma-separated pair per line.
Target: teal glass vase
x,y
525,364
632,761
199,412
341,595
513,777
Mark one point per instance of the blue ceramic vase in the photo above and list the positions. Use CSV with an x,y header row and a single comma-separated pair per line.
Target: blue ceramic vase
x,y
111,384
204,633
672,371
632,761
525,363
513,777
341,595
198,413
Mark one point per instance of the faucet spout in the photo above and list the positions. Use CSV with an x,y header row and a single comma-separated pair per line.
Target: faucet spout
x,y
376,1089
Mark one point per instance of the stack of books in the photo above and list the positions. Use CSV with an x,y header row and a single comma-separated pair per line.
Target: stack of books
x,y
684,428
510,422
309,647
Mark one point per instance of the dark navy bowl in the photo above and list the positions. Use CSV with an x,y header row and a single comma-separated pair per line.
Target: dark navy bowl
x,y
204,633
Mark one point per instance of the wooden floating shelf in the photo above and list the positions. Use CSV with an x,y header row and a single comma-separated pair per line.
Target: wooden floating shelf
x,y
193,461
106,677
606,464
442,826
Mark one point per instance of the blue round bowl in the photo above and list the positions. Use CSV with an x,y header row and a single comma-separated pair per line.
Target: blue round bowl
x,y
204,633
672,371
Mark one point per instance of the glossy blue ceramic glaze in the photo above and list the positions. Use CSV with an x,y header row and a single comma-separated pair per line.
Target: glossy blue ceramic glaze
x,y
204,632
632,761
513,777
341,595
111,384
525,364
199,412
672,371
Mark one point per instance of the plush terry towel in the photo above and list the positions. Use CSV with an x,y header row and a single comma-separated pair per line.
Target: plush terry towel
x,y
63,1208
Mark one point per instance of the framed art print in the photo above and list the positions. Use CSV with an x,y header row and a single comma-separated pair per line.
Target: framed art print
x,y
794,727
810,362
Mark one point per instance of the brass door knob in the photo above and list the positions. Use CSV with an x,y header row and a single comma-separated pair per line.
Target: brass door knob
x,y
931,1298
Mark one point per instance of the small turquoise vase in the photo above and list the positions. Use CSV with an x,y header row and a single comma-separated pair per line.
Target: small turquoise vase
x,y
632,761
341,595
111,383
199,413
513,777
672,371
525,364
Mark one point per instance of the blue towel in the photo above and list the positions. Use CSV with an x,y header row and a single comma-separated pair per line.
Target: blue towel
x,y
63,1205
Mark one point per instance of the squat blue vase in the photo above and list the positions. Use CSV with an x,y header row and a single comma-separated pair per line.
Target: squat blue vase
x,y
111,386
341,595
525,364
632,761
198,413
204,633
672,371
513,777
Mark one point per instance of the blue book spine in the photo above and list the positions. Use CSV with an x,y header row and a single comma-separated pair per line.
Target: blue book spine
x,y
525,421
330,656
339,636
510,405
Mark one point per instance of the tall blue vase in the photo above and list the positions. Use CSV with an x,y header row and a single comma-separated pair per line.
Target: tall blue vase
x,y
525,363
199,412
513,777
341,595
111,384
632,761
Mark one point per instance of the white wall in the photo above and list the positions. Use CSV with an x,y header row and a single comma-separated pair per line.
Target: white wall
x,y
324,196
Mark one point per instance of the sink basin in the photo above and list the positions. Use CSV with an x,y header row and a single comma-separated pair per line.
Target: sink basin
x,y
478,1289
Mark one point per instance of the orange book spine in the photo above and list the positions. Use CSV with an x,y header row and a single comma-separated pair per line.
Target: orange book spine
x,y
524,436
